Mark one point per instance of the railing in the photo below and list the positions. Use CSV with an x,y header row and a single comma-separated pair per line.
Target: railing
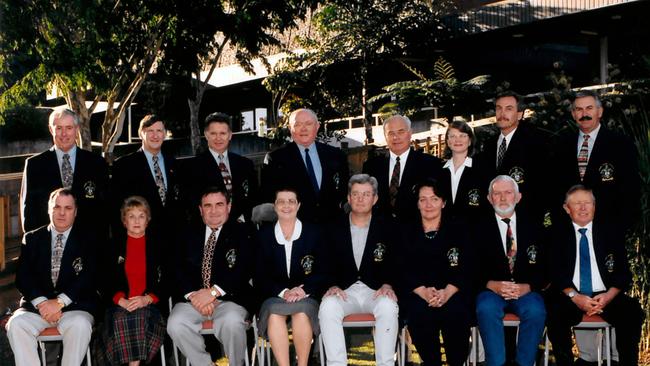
x,y
5,214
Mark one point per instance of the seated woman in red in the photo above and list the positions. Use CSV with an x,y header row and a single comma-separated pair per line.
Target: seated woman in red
x,y
134,328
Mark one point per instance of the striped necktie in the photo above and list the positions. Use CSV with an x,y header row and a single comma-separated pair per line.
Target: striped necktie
x,y
583,157
57,254
160,180
208,255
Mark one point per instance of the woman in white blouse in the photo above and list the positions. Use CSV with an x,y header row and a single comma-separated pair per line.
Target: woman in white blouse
x,y
461,178
289,275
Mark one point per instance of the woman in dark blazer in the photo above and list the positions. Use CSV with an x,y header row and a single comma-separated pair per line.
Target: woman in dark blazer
x,y
462,181
435,281
289,275
134,329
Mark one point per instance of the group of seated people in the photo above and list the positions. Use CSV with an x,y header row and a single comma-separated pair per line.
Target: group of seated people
x,y
416,246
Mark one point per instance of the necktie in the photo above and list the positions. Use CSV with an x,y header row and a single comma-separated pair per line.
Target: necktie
x,y
502,152
57,254
66,172
225,174
394,182
310,171
160,180
585,264
583,157
511,246
208,254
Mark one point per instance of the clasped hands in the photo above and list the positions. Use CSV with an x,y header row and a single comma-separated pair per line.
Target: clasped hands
x,y
508,289
203,301
384,290
435,298
135,302
295,294
592,305
50,310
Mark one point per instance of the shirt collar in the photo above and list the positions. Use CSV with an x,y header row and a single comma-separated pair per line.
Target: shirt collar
x,y
402,157
513,219
150,155
279,237
592,135
589,226
72,152
311,147
357,226
55,232
449,163
215,154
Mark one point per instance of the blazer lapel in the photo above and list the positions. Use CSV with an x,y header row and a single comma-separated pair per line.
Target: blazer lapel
x,y
368,250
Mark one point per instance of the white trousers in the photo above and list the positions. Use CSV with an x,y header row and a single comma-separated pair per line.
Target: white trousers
x,y
23,327
360,300
229,326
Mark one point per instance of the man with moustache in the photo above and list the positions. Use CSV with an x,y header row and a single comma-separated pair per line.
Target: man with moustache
x,y
361,260
399,172
63,166
318,171
519,150
606,162
221,167
590,274
212,283
510,274
151,174
55,275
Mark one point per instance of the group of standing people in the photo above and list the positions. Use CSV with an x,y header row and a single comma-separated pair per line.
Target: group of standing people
x,y
438,246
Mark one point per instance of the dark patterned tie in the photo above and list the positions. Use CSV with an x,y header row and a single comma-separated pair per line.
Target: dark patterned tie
x,y
393,187
160,180
583,157
57,254
511,247
225,174
585,264
311,172
502,152
66,172
208,254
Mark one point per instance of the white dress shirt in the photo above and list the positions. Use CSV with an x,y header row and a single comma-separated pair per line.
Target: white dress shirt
x,y
402,164
288,245
508,138
456,174
590,143
597,283
503,229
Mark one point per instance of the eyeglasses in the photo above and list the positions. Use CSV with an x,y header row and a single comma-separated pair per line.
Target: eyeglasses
x,y
357,195
457,136
290,202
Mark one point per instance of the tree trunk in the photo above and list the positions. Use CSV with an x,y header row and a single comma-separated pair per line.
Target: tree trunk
x,y
195,134
365,111
77,102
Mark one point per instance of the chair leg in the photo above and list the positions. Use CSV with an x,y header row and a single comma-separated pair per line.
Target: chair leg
x,y
322,350
163,360
547,344
88,360
599,348
42,347
608,341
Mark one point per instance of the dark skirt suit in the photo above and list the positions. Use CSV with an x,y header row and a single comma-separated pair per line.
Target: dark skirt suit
x,y
307,260
136,335
437,261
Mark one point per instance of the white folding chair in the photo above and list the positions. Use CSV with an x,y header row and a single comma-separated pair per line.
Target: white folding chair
x,y
52,335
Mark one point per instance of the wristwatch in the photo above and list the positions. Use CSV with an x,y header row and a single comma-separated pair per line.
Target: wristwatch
x,y
60,303
214,292
571,294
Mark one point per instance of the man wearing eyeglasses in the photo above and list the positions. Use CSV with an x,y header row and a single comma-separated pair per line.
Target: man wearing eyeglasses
x,y
362,280
317,170
398,172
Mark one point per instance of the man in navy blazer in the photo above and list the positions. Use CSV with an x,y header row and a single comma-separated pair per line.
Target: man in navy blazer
x,y
64,165
56,277
400,202
361,264
520,151
510,275
212,283
205,170
149,173
318,171
590,276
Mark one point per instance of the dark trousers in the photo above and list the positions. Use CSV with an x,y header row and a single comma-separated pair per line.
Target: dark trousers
x,y
425,324
623,312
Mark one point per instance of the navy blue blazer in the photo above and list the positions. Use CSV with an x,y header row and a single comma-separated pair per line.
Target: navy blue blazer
x,y
77,274
231,264
203,171
611,172
471,196
609,248
42,175
491,259
285,167
419,166
378,261
307,263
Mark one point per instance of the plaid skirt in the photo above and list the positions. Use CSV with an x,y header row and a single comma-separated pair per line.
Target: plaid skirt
x,y
133,336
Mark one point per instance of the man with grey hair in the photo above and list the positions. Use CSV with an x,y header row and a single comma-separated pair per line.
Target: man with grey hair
x,y
398,172
318,171
361,263
67,166
510,274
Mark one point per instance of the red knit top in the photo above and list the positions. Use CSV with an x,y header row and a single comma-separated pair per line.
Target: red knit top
x,y
135,268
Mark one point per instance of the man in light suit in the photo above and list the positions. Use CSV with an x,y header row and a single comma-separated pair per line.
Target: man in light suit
x,y
149,173
361,262
590,276
396,196
64,165
221,167
212,283
56,276
318,171
510,274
